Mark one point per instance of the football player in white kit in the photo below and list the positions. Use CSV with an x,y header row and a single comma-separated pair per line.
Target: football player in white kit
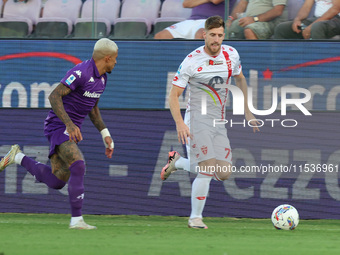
x,y
206,71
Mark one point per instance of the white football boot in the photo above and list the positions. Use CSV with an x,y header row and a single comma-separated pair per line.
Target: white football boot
x,y
10,156
81,224
196,223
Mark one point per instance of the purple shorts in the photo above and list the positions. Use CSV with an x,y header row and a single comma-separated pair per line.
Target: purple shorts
x,y
56,137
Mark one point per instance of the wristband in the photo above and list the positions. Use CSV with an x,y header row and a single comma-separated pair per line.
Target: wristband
x,y
105,132
231,18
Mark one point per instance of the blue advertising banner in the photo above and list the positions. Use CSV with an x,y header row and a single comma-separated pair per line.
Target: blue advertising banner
x,y
142,78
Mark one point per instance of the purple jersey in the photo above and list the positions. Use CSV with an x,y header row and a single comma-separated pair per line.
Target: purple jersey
x,y
87,86
206,10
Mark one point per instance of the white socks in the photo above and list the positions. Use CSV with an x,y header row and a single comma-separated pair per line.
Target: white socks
x,y
18,158
74,220
184,164
199,192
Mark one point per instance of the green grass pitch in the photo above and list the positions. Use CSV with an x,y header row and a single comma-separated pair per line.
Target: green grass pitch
x,y
49,234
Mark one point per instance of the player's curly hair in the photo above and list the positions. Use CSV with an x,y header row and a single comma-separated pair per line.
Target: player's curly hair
x,y
214,22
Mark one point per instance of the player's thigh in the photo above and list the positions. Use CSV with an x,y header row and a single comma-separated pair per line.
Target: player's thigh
x,y
59,168
69,152
223,155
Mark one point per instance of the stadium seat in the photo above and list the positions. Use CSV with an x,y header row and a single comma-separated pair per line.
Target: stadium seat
x,y
58,18
105,12
18,18
136,19
172,11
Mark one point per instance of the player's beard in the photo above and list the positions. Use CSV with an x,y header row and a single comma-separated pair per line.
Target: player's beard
x,y
214,48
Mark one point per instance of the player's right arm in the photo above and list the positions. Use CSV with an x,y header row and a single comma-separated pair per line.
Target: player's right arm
x,y
183,131
56,100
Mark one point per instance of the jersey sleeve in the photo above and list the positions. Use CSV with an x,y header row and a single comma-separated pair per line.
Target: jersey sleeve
x,y
73,78
183,74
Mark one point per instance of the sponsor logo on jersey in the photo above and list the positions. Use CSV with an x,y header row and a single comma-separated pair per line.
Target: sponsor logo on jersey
x,y
70,79
199,69
215,62
91,94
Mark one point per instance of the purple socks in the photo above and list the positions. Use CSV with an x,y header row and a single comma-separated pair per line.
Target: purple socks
x,y
76,187
42,173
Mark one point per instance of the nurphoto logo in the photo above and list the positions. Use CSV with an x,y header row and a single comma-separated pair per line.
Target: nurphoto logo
x,y
238,106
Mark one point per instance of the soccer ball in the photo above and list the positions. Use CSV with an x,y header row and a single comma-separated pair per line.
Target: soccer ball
x,y
285,217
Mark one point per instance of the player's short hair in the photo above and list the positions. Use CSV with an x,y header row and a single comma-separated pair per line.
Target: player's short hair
x,y
214,22
104,47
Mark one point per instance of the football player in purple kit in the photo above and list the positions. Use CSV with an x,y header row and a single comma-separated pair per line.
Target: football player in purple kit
x,y
72,100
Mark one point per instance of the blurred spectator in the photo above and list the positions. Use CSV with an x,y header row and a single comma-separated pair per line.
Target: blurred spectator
x,y
256,19
190,28
325,23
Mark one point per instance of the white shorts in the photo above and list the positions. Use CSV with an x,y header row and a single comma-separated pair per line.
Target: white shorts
x,y
207,141
186,29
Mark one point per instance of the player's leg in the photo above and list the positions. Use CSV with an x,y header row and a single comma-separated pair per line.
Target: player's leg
x,y
72,156
223,167
199,193
41,172
223,170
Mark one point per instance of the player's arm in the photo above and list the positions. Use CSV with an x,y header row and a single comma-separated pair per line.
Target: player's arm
x,y
98,122
183,131
56,101
241,82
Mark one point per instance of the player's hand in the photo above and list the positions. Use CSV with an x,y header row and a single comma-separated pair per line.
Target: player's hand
x,y
246,21
253,122
183,133
74,133
296,26
306,32
108,150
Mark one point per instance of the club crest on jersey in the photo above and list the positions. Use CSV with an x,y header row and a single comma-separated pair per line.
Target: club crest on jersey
x,y
204,149
70,79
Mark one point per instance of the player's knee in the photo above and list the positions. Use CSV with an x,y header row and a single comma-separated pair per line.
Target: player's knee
x,y
77,168
223,175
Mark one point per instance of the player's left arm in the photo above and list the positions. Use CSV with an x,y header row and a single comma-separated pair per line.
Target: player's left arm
x,y
98,122
241,82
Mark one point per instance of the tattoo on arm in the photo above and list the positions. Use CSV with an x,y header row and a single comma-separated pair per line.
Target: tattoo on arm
x,y
57,102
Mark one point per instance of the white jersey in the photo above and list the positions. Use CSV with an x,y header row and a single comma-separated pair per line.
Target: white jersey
x,y
207,77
